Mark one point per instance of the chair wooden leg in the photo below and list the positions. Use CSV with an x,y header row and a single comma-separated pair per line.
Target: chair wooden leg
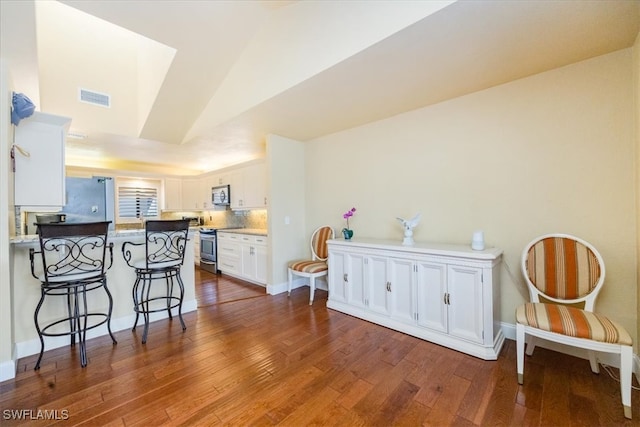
x,y
531,345
626,361
520,337
595,367
312,289
290,276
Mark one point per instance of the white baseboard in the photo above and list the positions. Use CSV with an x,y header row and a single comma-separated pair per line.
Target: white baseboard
x,y
609,359
30,347
298,282
7,370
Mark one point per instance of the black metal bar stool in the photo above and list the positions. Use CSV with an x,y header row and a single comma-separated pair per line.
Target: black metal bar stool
x,y
164,247
73,264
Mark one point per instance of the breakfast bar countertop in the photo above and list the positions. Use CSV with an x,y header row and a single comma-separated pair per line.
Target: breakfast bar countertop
x,y
115,236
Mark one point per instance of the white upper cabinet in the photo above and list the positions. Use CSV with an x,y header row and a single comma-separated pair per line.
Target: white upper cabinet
x,y
249,187
191,194
172,194
39,161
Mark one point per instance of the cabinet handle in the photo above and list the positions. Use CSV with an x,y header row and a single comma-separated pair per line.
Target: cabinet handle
x,y
345,278
446,299
388,286
265,201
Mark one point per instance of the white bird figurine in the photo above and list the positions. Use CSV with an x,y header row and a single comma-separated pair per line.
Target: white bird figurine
x,y
408,225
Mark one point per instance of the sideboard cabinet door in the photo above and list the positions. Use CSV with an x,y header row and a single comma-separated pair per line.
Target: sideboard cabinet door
x,y
465,302
431,295
337,276
401,290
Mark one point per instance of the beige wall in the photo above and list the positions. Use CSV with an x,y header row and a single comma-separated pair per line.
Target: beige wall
x,y
286,186
554,152
636,92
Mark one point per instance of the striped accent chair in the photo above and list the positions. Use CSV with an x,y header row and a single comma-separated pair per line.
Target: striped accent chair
x,y
317,265
564,271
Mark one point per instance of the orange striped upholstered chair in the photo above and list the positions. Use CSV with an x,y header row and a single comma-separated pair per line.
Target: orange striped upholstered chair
x,y
317,265
563,269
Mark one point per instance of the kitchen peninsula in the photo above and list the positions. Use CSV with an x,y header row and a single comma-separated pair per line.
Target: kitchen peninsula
x,y
26,292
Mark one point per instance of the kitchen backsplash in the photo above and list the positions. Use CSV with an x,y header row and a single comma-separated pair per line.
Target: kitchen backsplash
x,y
226,219
218,219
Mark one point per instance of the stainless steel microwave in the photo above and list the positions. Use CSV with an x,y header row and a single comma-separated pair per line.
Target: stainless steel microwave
x,y
221,195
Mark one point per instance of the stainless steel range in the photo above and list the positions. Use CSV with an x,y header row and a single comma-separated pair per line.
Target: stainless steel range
x,y
208,250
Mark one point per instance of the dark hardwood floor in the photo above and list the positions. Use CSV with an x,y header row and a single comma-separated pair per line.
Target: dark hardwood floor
x,y
248,358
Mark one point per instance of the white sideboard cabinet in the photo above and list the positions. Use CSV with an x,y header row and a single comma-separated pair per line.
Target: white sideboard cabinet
x,y
446,294
39,162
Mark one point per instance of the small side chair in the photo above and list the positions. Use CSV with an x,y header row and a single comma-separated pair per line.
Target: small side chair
x,y
164,247
317,265
562,269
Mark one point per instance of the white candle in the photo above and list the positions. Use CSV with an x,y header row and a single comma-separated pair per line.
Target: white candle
x,y
477,242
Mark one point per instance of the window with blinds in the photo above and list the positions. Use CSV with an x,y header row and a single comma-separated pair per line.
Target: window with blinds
x,y
137,200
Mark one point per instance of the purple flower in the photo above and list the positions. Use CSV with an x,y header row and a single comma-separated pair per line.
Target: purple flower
x,y
348,215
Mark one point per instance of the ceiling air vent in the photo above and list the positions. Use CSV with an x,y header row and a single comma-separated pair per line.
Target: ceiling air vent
x,y
95,98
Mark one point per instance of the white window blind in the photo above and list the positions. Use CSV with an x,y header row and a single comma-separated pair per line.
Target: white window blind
x,y
137,202
137,199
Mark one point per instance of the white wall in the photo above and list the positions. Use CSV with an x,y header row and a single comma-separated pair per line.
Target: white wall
x,y
554,152
7,362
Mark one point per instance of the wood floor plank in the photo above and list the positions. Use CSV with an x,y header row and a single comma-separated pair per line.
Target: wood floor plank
x,y
248,358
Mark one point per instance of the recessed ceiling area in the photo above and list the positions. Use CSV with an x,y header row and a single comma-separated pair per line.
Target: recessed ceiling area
x,y
101,57
197,85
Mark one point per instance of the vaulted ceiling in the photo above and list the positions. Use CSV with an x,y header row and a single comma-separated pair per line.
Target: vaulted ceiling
x,y
195,86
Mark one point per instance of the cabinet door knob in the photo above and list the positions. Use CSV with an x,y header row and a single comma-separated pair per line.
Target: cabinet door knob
x,y
345,277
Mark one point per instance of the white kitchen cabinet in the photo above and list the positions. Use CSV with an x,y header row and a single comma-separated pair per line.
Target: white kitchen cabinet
x,y
441,293
229,255
191,194
254,261
206,183
262,262
172,194
39,180
248,187
243,256
196,247
220,179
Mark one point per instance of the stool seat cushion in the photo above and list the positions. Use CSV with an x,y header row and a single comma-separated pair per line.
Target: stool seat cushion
x,y
73,278
308,266
142,265
572,322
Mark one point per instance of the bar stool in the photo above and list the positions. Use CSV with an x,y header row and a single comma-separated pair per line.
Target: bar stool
x,y
73,264
165,244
